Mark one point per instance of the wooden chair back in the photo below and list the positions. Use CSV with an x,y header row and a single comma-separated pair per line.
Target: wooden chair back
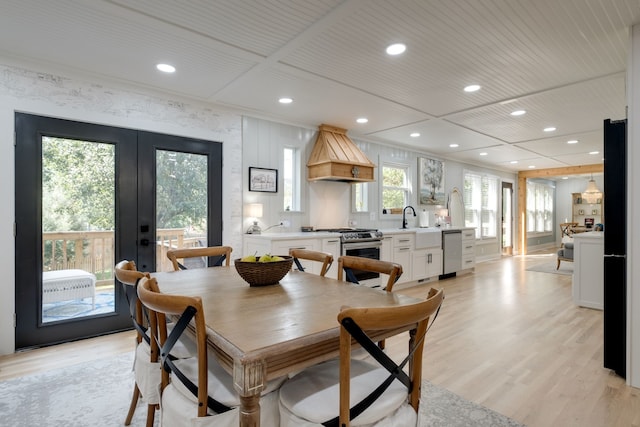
x,y
355,320
127,274
566,228
325,258
349,263
224,252
189,311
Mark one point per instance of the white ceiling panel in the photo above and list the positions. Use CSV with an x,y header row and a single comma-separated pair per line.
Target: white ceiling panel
x,y
436,136
316,101
563,61
561,108
559,146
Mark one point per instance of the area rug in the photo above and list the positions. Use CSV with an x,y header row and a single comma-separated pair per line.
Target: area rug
x,y
566,268
98,394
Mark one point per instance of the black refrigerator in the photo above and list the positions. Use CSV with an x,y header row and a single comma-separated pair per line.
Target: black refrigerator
x,y
615,246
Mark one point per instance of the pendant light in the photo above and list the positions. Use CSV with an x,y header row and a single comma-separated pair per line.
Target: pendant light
x,y
592,193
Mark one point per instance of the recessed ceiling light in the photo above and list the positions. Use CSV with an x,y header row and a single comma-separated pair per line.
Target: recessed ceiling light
x,y
532,167
565,177
166,68
549,129
472,88
484,153
572,141
594,152
453,145
396,48
518,113
414,134
513,162
362,120
285,100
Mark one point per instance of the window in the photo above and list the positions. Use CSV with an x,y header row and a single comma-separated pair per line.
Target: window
x,y
540,208
359,196
395,187
291,180
481,204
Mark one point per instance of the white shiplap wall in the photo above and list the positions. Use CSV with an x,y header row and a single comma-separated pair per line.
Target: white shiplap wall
x,y
57,95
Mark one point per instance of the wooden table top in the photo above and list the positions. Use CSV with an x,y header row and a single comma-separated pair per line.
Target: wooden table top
x,y
300,307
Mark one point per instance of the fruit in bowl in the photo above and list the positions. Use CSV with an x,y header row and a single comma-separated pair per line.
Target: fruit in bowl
x,y
263,270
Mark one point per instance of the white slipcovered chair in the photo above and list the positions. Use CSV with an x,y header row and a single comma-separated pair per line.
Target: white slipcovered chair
x,y
146,365
196,391
323,395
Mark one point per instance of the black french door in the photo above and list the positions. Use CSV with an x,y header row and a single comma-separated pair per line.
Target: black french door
x,y
88,196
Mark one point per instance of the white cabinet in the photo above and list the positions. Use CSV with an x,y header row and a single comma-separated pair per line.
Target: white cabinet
x,y
588,269
426,263
261,245
386,250
332,246
281,247
402,254
468,248
256,247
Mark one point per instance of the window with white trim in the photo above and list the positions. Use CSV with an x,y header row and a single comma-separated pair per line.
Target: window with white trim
x,y
396,189
540,209
291,179
360,197
481,199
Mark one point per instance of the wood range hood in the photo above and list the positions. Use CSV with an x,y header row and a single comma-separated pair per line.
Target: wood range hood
x,y
335,157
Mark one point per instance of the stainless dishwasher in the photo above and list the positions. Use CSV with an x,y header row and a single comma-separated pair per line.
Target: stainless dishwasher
x,y
452,251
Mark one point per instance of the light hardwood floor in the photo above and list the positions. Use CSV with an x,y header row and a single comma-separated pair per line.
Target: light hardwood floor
x,y
506,338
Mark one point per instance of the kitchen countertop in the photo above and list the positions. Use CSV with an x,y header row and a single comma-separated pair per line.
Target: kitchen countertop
x,y
295,235
421,229
326,234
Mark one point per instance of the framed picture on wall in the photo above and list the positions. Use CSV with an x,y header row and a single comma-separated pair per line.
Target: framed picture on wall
x,y
265,180
431,181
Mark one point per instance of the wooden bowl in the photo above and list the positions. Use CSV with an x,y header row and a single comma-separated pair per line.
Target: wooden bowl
x,y
263,273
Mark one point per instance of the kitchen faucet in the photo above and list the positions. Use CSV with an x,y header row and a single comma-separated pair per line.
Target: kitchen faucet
x,y
404,218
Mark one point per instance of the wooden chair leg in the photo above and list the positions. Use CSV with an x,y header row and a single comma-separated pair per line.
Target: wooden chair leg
x,y
558,266
134,403
151,413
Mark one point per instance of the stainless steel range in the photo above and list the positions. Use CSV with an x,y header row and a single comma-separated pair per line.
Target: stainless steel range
x,y
363,243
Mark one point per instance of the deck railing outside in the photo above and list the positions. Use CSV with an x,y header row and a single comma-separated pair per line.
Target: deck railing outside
x,y
93,251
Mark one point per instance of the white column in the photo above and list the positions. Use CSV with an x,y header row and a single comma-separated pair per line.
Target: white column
x,y
633,211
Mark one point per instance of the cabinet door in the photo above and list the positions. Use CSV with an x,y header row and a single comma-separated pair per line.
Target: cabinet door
x,y
256,247
281,247
434,262
420,267
332,246
386,251
402,256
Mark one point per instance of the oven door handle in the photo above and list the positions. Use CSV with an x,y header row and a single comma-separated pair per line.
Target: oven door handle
x,y
361,245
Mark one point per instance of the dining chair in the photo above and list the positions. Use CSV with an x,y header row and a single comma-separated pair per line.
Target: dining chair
x,y
223,252
195,391
325,258
566,229
146,365
387,393
348,263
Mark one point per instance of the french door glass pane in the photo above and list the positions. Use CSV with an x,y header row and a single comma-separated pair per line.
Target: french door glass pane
x,y
78,217
181,205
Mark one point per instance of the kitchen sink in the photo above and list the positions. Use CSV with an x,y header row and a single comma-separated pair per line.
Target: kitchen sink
x,y
428,238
